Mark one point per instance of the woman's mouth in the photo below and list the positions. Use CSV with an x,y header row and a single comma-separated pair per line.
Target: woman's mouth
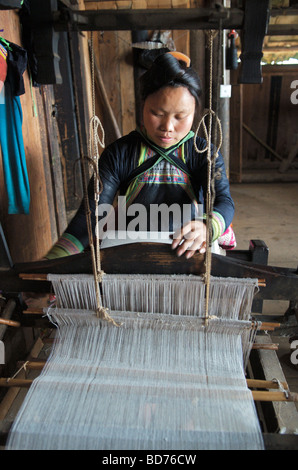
x,y
165,139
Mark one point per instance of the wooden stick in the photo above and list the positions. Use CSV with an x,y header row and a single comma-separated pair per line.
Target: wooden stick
x,y
262,142
6,382
257,395
274,396
251,383
268,326
270,346
43,277
265,326
255,383
33,277
33,311
3,321
32,365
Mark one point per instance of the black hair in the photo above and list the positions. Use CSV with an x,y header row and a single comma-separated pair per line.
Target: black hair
x,y
167,71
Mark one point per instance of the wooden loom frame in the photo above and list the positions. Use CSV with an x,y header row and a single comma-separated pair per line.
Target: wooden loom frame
x,y
159,258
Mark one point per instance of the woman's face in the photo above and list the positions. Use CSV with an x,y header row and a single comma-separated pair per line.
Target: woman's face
x,y
168,115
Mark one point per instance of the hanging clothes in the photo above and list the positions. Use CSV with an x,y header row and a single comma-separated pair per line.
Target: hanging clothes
x,y
11,136
3,68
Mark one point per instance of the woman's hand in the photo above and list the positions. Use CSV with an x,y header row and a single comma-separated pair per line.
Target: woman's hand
x,y
190,238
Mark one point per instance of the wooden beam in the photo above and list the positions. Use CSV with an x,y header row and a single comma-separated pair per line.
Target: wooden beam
x,y
149,19
155,258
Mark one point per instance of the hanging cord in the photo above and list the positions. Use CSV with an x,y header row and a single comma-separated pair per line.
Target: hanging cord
x,y
211,159
101,312
93,145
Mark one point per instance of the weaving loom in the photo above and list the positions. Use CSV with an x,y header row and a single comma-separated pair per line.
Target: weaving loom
x,y
161,375
162,379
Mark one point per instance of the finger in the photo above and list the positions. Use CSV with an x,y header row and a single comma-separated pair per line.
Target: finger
x,y
202,249
189,244
178,237
189,254
196,247
184,232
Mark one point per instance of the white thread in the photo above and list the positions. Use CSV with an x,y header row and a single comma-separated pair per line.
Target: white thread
x,y
159,381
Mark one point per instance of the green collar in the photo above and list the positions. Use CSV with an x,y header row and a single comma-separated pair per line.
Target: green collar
x,y
161,151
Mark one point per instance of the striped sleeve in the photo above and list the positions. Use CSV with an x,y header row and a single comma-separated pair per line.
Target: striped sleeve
x,y
66,245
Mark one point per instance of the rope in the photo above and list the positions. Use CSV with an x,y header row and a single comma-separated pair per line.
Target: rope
x,y
24,366
93,149
211,158
94,142
93,157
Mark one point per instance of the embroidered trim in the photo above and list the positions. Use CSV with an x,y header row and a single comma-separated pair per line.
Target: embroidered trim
x,y
218,225
66,245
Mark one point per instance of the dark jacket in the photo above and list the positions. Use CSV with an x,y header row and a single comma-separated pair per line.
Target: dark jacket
x,y
170,183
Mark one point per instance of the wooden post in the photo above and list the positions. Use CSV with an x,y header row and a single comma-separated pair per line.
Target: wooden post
x,y
236,123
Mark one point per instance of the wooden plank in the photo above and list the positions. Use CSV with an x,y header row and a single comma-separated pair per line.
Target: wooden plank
x,y
108,111
68,129
108,94
128,116
53,140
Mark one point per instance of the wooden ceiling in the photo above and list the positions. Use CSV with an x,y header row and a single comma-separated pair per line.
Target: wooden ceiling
x,y
283,17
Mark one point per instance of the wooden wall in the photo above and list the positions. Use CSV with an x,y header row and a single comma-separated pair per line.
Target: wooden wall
x,y
52,146
114,54
264,127
52,138
29,236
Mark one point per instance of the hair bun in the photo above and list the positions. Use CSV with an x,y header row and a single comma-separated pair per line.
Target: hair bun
x,y
170,69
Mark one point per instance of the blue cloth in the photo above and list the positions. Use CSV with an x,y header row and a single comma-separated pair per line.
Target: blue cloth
x,y
13,153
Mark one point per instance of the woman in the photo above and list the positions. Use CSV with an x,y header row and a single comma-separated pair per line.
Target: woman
x,y
158,164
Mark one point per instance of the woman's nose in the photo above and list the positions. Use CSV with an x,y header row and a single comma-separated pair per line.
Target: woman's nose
x,y
167,124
